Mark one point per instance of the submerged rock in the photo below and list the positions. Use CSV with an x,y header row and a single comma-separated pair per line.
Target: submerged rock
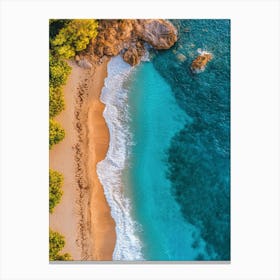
x,y
181,57
199,64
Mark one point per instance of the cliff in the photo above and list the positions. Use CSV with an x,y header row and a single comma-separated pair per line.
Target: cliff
x,y
127,37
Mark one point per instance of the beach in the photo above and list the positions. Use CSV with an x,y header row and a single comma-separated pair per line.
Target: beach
x,y
143,128
83,215
102,224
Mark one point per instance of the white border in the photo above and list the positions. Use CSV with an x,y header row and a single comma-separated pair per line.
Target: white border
x,y
255,138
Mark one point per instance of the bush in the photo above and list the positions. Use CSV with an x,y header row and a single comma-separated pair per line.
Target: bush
x,y
55,191
56,133
56,244
59,71
74,37
55,25
56,102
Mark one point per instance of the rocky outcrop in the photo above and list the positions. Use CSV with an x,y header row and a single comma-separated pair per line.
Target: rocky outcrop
x,y
160,34
199,64
113,36
128,37
134,53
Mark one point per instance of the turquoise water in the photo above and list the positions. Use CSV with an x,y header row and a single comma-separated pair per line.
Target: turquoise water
x,y
156,117
166,175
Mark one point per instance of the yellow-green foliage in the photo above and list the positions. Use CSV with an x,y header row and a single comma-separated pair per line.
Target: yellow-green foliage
x,y
74,37
55,191
56,133
56,244
55,25
56,101
59,71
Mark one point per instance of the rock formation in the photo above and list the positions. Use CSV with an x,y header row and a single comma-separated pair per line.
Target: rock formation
x,y
160,34
199,64
134,53
127,37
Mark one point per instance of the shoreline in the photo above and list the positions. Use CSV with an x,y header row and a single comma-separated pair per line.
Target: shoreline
x,y
84,215
103,232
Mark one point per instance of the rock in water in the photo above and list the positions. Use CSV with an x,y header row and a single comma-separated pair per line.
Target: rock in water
x,y
131,56
160,34
199,64
134,53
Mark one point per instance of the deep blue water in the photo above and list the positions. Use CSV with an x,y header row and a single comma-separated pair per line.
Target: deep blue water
x,y
199,155
178,172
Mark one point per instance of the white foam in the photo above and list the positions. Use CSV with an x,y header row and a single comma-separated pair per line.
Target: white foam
x,y
202,52
128,246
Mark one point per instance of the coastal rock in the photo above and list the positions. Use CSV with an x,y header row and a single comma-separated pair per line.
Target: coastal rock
x,y
160,34
131,56
134,53
199,64
128,36
112,37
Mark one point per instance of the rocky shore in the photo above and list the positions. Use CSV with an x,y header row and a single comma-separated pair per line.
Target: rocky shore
x,y
127,37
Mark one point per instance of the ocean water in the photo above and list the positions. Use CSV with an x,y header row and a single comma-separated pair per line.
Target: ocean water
x,y
167,172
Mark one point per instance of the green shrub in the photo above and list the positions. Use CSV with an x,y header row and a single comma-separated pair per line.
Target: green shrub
x,y
56,244
74,37
56,133
55,25
56,102
58,72
55,191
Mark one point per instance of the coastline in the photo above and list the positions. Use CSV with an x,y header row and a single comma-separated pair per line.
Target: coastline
x,y
83,216
90,156
103,233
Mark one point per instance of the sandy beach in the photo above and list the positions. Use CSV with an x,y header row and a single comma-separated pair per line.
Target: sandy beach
x,y
83,216
102,225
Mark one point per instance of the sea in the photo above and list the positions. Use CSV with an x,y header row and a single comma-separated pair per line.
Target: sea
x,y
166,175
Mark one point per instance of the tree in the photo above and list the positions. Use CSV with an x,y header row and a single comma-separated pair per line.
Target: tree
x,y
56,133
55,25
58,72
56,244
74,37
55,191
56,102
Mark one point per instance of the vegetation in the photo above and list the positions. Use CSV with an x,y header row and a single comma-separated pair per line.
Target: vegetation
x,y
59,71
74,37
67,37
55,191
55,25
56,244
56,133
56,102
